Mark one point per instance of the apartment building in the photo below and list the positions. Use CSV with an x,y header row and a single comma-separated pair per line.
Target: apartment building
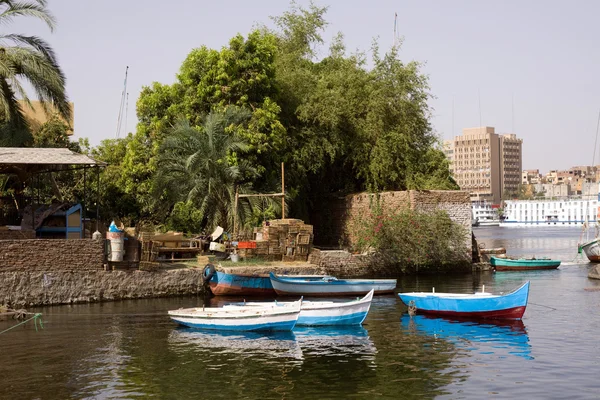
x,y
37,116
485,163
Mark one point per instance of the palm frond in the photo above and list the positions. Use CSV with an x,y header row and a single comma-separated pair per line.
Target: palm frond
x,y
35,42
33,8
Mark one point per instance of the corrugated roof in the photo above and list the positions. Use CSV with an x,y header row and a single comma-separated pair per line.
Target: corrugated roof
x,y
43,156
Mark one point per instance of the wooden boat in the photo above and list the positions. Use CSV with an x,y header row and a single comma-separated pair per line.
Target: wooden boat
x,y
241,318
480,305
223,284
325,313
329,286
523,264
591,250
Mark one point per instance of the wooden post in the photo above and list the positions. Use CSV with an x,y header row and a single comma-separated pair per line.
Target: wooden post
x,y
235,206
282,192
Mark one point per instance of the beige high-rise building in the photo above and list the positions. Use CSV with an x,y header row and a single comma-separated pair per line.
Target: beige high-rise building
x,y
485,163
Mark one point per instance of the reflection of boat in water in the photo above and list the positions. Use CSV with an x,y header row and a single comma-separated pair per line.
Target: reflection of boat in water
x,y
491,336
335,341
281,344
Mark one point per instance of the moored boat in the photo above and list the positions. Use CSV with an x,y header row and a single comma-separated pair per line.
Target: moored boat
x,y
224,284
329,286
479,305
325,313
243,318
523,264
591,250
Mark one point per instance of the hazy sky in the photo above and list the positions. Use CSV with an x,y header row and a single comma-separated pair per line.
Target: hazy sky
x,y
543,54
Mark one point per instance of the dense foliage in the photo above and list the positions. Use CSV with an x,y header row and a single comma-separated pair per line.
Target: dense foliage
x,y
409,239
341,123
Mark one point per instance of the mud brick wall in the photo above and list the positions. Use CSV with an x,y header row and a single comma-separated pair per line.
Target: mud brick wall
x,y
48,255
331,216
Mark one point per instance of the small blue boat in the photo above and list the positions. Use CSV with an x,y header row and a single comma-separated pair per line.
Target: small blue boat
x,y
480,305
325,313
223,284
329,285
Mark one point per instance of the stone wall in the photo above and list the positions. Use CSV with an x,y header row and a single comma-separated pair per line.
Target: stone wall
x,y
17,235
330,217
49,255
27,289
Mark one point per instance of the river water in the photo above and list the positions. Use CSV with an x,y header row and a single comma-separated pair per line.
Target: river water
x,y
131,349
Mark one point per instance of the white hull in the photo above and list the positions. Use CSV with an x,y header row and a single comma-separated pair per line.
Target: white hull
x,y
488,223
542,224
325,312
592,250
239,318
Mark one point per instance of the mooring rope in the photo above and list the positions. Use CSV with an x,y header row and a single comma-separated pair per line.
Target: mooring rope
x,y
35,318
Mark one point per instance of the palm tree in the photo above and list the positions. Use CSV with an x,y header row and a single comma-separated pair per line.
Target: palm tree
x,y
201,166
27,59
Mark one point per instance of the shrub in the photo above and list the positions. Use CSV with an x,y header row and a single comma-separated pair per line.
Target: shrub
x,y
411,240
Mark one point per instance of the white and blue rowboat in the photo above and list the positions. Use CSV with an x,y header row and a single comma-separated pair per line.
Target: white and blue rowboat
x,y
243,318
479,305
325,313
329,286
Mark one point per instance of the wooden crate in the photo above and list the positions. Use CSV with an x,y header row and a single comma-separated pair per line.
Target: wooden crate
x,y
304,238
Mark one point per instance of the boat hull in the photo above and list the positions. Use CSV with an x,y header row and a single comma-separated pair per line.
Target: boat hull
x,y
324,313
320,287
592,250
223,284
241,318
504,264
479,305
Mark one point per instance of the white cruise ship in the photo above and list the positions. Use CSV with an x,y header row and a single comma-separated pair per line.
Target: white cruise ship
x,y
484,214
566,212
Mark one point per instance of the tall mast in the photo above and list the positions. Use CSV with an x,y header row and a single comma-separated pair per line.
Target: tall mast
x,y
122,105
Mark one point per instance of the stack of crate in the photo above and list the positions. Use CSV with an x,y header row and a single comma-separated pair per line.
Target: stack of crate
x,y
285,239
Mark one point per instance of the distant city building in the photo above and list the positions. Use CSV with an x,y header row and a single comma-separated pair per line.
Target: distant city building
x,y
531,177
36,115
485,163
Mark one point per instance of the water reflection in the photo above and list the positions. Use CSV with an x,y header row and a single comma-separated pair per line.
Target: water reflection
x,y
269,345
489,337
340,341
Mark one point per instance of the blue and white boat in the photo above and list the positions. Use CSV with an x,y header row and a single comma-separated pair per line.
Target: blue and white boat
x,y
325,313
480,305
224,284
329,285
242,318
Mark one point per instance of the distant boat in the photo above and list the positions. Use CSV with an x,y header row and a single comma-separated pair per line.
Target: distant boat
x,y
244,318
325,313
592,250
479,305
329,286
523,264
484,214
223,284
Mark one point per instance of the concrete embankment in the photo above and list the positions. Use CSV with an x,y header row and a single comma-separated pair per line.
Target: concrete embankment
x,y
49,286
26,289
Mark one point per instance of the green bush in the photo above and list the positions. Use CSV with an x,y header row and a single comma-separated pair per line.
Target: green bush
x,y
410,241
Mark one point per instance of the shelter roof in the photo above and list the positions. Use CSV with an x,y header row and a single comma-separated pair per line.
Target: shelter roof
x,y
29,160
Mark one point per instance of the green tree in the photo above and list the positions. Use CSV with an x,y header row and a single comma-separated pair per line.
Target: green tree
x,y
195,168
30,60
